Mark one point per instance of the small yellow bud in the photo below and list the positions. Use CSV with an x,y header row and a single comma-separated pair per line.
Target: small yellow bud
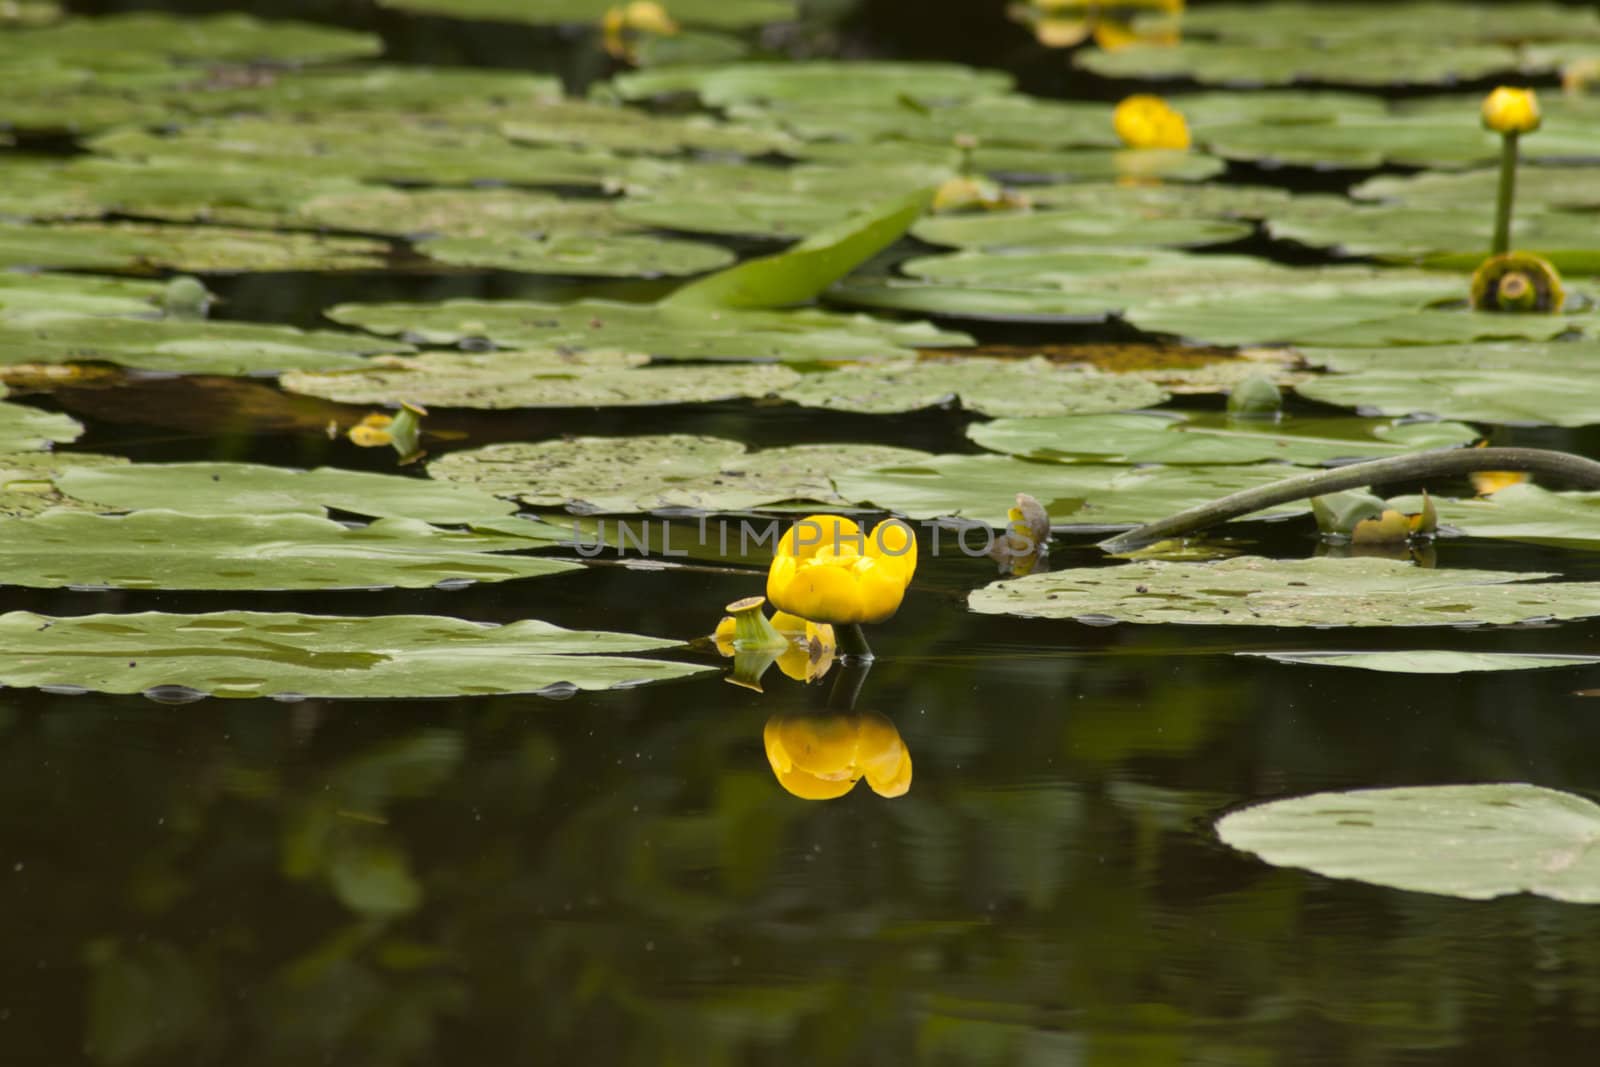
x,y
1145,121
1511,110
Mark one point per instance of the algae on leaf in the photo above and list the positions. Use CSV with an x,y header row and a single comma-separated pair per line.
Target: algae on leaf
x,y
1250,591
1471,841
987,385
246,654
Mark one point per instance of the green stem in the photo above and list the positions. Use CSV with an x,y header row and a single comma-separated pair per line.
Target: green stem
x,y
1507,193
1584,473
852,643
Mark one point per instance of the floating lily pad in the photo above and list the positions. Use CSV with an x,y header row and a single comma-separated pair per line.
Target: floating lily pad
x,y
1531,384
1250,591
984,488
1277,107
589,124
1538,189
1425,23
179,345
1471,841
1076,164
250,489
130,41
259,654
1210,439
473,212
662,331
28,429
1074,228
27,480
1452,140
990,386
1158,201
649,473
28,295
1377,62
1430,661
540,380
602,255
1010,120
1525,512
728,13
844,84
172,550
1338,306
131,246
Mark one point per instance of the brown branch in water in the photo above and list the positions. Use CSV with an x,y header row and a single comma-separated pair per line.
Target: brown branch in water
x,y
1563,466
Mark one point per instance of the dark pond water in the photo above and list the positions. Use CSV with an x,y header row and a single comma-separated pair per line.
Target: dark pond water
x,y
618,878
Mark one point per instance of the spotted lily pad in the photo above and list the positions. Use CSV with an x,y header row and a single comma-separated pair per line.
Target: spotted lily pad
x,y
1075,229
1209,439
171,550
28,429
258,654
984,488
726,13
990,386
539,380
1250,591
27,480
1532,384
1471,841
136,246
590,124
662,331
620,255
182,346
1430,660
250,489
1012,120
653,472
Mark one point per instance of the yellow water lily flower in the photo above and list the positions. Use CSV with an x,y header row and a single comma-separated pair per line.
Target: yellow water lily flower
x,y
822,755
1508,110
826,570
1145,121
621,25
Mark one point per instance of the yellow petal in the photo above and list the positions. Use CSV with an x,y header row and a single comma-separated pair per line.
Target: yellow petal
x,y
894,544
880,586
1144,121
822,594
1508,110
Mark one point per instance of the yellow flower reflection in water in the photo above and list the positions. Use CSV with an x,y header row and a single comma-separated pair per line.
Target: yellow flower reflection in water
x,y
808,648
822,755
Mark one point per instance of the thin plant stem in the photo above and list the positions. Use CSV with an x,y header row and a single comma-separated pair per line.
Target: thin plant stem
x,y
1506,194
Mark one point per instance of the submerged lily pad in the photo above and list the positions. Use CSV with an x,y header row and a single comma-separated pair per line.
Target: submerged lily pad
x,y
1531,384
1209,439
28,429
662,331
984,488
990,386
138,246
1471,841
1250,591
171,550
180,345
539,380
1430,660
726,13
653,472
250,489
260,654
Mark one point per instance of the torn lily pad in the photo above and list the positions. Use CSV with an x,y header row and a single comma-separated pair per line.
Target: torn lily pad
x,y
180,346
1210,438
1471,841
1430,660
1528,384
1250,591
540,380
28,429
654,472
983,487
244,654
251,489
661,331
990,386
158,549
138,246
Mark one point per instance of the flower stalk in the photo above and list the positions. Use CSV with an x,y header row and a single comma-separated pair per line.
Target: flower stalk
x,y
1506,194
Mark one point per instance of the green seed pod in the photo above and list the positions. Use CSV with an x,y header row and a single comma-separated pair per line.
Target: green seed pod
x,y
1257,397
1517,282
185,298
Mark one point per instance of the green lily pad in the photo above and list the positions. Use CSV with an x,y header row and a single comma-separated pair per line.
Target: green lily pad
x,y
841,84
989,386
27,480
1524,512
1538,189
1338,306
1471,841
249,489
473,212
653,472
1250,591
1073,228
171,550
180,345
984,487
728,13
1377,62
1157,201
1430,661
131,41
136,246
28,429
602,255
1533,384
661,331
539,380
1210,439
1427,23
1012,120
1076,164
1277,107
259,654
590,124
27,295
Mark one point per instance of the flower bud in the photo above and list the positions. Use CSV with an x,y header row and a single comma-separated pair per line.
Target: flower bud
x,y
1511,110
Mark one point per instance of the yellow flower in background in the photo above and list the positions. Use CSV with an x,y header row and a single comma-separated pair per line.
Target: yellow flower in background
x,y
1511,110
822,755
1114,25
621,24
1145,121
826,570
